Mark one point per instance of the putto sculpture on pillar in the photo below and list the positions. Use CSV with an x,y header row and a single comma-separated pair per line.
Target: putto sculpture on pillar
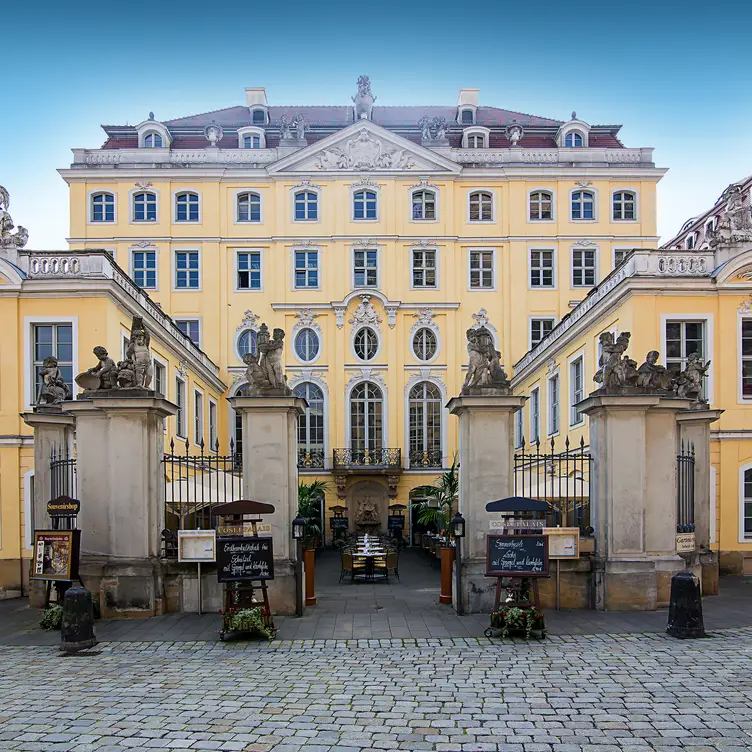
x,y
364,99
264,372
616,370
106,369
485,374
8,238
653,377
52,389
689,381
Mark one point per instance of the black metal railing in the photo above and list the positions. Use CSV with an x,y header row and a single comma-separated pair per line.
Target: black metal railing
x,y
194,484
560,478
367,458
63,481
310,459
428,459
685,488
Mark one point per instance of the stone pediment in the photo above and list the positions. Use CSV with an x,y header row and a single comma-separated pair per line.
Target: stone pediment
x,y
364,147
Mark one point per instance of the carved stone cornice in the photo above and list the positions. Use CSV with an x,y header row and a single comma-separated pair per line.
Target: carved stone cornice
x,y
306,183
425,374
305,375
366,315
305,320
424,319
366,374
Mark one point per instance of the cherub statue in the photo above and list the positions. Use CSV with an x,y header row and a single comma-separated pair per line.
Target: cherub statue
x,y
105,369
425,128
53,388
440,127
653,377
139,354
689,381
299,124
255,374
478,367
272,352
126,375
498,375
285,128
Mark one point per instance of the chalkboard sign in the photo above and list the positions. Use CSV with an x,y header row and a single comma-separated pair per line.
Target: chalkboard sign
x,y
517,556
339,524
244,559
396,521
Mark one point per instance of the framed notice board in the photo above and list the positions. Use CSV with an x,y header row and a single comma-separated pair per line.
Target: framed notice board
x,y
516,556
56,555
197,545
563,542
244,558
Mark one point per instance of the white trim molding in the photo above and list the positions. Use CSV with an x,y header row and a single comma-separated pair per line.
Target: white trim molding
x,y
251,130
740,532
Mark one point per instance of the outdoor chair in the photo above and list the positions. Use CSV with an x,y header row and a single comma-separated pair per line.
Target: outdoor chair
x,y
347,565
380,567
392,564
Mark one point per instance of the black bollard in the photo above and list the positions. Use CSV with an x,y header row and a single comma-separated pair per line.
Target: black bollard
x,y
77,628
685,608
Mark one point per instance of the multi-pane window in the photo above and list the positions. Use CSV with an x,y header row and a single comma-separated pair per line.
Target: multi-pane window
x,y
519,428
539,328
102,207
198,417
690,241
553,405
746,358
481,269
249,270
306,205
541,205
467,117
424,205
145,269
251,142
573,139
619,255
191,328
476,141
213,444
424,408
424,268
366,343
576,389
364,205
186,207
145,207
583,205
682,339
535,415
186,270
160,373
180,404
747,511
583,268
541,268
152,141
306,269
424,344
366,268
53,341
481,206
249,207
624,205
366,419
247,343
311,426
259,117
307,345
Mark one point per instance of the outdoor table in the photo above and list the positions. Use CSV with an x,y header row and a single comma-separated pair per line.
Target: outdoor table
x,y
370,556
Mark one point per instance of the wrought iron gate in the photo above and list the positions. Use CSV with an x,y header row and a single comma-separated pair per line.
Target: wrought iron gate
x,y
63,481
685,488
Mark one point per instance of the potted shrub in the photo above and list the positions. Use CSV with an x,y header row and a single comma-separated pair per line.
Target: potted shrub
x,y
310,499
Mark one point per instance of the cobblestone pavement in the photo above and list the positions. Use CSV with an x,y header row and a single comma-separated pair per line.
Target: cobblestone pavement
x,y
596,693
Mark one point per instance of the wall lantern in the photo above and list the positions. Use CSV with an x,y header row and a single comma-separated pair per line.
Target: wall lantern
x,y
458,526
298,528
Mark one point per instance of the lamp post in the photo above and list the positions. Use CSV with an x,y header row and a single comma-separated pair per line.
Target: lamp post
x,y
458,530
298,531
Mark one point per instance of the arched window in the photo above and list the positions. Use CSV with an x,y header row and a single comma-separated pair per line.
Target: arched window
x,y
424,344
152,140
573,139
424,205
186,207
425,425
251,142
247,343
249,207
366,343
476,141
311,426
366,420
364,205
583,205
307,345
145,207
624,205
481,206
541,205
102,207
306,205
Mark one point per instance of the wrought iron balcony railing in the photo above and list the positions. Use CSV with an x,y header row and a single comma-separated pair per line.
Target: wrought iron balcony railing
x,y
310,459
427,459
364,459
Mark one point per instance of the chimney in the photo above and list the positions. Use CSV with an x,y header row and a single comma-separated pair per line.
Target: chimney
x,y
256,95
468,96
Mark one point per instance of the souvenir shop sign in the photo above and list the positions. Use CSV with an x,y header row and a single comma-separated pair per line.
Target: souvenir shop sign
x,y
244,559
56,555
63,506
517,556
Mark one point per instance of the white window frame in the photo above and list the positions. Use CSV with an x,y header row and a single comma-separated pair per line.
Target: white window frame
x,y
626,250
636,195
494,269
296,333
132,206
435,331
213,426
490,191
259,108
708,320
555,258
690,241
541,189
181,390
384,410
436,253
236,341
179,192
530,320
175,287
155,251
578,356
741,536
378,267
295,250
90,195
379,344
162,364
535,409
444,419
741,318
251,130
260,251
148,127
365,189
476,130
28,508
198,320
519,427
306,189
198,412
236,214
596,201
553,407
596,269
424,189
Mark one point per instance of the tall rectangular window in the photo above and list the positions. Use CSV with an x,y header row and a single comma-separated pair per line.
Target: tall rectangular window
x,y
583,268
519,428
747,508
249,270
746,358
191,328
539,328
159,378
682,339
424,268
365,268
213,426
198,417
187,270
180,403
144,265
553,405
534,415
619,255
576,389
541,268
306,269
481,270
52,341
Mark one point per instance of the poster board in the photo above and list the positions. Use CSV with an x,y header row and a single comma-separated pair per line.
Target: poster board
x,y
395,522
244,559
339,524
197,545
563,542
516,556
56,554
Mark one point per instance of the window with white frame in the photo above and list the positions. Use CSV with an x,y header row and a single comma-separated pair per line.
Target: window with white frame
x,y
145,207
366,268
364,204
424,344
519,428
249,207
576,389
187,270
424,417
467,117
539,328
424,205
152,140
311,426
481,270
553,405
366,419
306,269
481,206
247,343
583,205
619,255
186,207
198,417
476,141
144,269
573,139
213,441
534,415
746,511
249,270
541,268
307,345
746,357
366,343
259,117
583,267
424,268
160,381
690,241
682,339
624,205
102,207
252,141
541,205
306,206
191,328
180,404
52,341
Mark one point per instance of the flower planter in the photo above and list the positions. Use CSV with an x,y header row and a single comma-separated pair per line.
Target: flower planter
x,y
447,561
310,585
517,621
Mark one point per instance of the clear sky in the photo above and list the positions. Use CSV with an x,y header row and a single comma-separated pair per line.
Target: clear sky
x,y
675,74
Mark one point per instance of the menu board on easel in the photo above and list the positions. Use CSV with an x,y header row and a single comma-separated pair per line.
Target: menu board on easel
x,y
517,556
244,559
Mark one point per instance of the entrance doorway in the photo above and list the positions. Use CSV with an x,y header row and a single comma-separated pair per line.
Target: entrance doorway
x,y
418,496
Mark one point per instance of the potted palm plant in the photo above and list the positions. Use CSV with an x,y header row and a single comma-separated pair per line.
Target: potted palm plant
x,y
438,510
310,499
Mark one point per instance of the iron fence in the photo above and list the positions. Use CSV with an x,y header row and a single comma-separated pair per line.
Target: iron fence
x,y
63,480
310,459
428,459
195,483
685,488
560,478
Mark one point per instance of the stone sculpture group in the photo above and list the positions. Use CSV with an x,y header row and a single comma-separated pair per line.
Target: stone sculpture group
x,y
264,372
485,374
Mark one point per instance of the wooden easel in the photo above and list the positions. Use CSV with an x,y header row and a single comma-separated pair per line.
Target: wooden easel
x,y
516,589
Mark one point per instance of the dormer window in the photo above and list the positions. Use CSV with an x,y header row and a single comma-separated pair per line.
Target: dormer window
x,y
573,140
476,141
467,117
475,138
251,142
251,137
153,141
258,116
690,241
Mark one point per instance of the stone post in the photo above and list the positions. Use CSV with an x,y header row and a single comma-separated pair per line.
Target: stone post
x,y
270,474
486,460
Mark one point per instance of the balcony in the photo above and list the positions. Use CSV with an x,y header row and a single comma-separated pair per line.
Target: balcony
x,y
310,459
368,461
420,460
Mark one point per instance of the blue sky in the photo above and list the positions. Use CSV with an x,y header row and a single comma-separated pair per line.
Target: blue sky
x,y
675,76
